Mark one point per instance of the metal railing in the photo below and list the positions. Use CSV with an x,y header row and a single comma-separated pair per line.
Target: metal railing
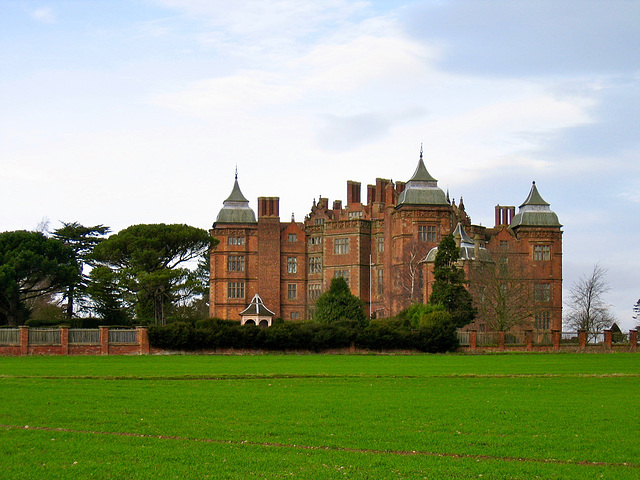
x,y
44,336
123,336
9,336
84,336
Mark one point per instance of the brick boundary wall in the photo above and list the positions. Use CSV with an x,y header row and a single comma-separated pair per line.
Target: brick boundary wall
x,y
63,347
142,347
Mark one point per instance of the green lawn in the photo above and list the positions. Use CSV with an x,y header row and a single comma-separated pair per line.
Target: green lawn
x,y
315,416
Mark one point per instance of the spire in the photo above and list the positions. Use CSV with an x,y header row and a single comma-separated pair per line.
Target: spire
x,y
422,174
534,197
236,194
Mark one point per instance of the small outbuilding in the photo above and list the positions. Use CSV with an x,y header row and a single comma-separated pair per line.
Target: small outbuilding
x,y
257,314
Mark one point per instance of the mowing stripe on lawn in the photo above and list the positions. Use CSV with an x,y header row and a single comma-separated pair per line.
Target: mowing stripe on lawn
x,y
329,448
276,376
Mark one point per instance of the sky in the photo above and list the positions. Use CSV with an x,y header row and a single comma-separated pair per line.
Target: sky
x,y
121,112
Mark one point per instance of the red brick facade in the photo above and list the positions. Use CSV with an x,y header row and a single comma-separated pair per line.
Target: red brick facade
x,y
380,246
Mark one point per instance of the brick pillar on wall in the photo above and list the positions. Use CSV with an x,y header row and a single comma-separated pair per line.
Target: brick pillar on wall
x,y
64,340
473,340
556,339
633,339
501,340
104,340
143,340
24,340
582,339
528,339
608,339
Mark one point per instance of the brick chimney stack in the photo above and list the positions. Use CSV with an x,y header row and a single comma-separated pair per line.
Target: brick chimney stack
x,y
269,207
353,192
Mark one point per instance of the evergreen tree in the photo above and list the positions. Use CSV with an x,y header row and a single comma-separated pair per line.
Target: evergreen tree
x,y
338,303
448,288
82,241
31,266
149,262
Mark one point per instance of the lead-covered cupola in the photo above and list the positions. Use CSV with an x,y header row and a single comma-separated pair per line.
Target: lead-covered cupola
x,y
535,212
236,208
422,189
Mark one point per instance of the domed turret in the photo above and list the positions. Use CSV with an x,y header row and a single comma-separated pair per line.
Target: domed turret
x,y
236,208
535,212
422,189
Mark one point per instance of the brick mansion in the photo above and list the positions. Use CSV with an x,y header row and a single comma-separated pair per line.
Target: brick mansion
x,y
384,247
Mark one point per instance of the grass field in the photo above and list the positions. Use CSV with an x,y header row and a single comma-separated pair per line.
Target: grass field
x,y
314,416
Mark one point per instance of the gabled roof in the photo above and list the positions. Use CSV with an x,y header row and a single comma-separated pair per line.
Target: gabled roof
x,y
256,307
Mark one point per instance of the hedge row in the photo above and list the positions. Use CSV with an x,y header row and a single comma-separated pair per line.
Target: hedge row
x,y
316,337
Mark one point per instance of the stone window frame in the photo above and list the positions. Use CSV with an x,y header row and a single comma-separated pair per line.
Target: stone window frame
x,y
315,264
314,291
542,253
235,289
542,292
341,246
542,320
235,240
235,263
315,240
428,233
292,264
292,291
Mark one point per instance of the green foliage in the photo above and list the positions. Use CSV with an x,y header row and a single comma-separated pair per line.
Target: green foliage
x,y
437,333
46,314
148,265
111,301
82,241
338,303
413,315
31,266
448,287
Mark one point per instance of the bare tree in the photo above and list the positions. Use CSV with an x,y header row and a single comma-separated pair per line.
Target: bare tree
x,y
502,292
587,309
409,275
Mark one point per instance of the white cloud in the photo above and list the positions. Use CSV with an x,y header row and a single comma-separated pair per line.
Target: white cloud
x,y
44,15
246,90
